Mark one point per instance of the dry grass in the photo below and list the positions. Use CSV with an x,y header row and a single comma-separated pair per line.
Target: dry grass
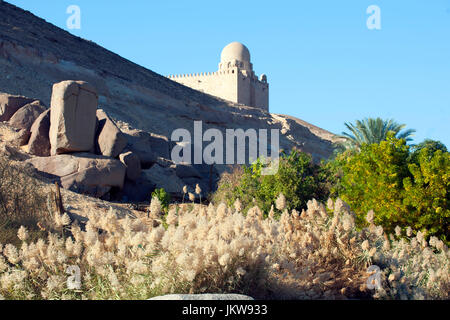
x,y
316,254
228,181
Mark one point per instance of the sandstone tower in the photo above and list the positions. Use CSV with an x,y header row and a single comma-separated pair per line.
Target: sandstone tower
x,y
234,81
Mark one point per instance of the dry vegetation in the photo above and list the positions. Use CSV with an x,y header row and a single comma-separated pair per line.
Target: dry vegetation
x,y
315,254
22,202
318,253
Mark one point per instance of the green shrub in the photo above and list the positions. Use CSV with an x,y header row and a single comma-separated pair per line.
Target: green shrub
x,y
401,189
163,197
298,179
427,192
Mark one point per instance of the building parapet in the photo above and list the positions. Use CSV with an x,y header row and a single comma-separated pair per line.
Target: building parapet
x,y
201,74
214,74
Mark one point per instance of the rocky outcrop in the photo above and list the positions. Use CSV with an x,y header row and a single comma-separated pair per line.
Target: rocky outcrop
x,y
73,117
26,115
133,165
110,141
9,104
73,128
83,172
74,103
148,147
39,143
164,178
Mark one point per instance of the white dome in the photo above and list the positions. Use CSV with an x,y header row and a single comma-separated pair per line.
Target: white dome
x,y
235,51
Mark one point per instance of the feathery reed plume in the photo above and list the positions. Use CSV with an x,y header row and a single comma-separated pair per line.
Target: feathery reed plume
x,y
185,191
198,191
220,249
280,203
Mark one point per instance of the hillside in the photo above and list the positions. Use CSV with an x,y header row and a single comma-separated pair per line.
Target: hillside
x,y
35,54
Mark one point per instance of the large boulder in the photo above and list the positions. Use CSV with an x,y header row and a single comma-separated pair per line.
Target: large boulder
x,y
110,141
39,143
26,115
83,172
73,117
164,178
9,104
133,164
148,146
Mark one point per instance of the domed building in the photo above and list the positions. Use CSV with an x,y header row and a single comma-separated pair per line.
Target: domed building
x,y
234,81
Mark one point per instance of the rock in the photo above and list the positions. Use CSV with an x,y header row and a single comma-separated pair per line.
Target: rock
x,y
205,296
186,171
110,141
26,115
139,190
164,178
73,117
133,165
39,143
205,175
20,138
148,147
83,172
164,162
9,104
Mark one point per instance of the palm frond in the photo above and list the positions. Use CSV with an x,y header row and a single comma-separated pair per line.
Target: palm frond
x,y
371,130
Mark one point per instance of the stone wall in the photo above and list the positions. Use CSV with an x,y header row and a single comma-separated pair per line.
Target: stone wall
x,y
253,92
233,85
222,84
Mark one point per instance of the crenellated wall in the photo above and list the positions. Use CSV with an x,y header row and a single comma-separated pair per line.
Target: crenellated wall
x,y
233,84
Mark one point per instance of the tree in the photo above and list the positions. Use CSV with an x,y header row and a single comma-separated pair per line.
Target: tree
x,y
402,193
372,179
431,145
427,192
372,130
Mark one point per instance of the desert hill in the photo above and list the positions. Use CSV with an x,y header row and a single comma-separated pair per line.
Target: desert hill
x,y
35,54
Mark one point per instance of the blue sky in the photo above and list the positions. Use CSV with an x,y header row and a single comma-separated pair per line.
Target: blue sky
x,y
323,64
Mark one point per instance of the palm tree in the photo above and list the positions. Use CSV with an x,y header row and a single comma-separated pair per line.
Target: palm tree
x,y
372,130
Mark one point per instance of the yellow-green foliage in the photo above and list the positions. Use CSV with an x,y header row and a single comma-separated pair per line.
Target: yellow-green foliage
x,y
400,191
427,192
